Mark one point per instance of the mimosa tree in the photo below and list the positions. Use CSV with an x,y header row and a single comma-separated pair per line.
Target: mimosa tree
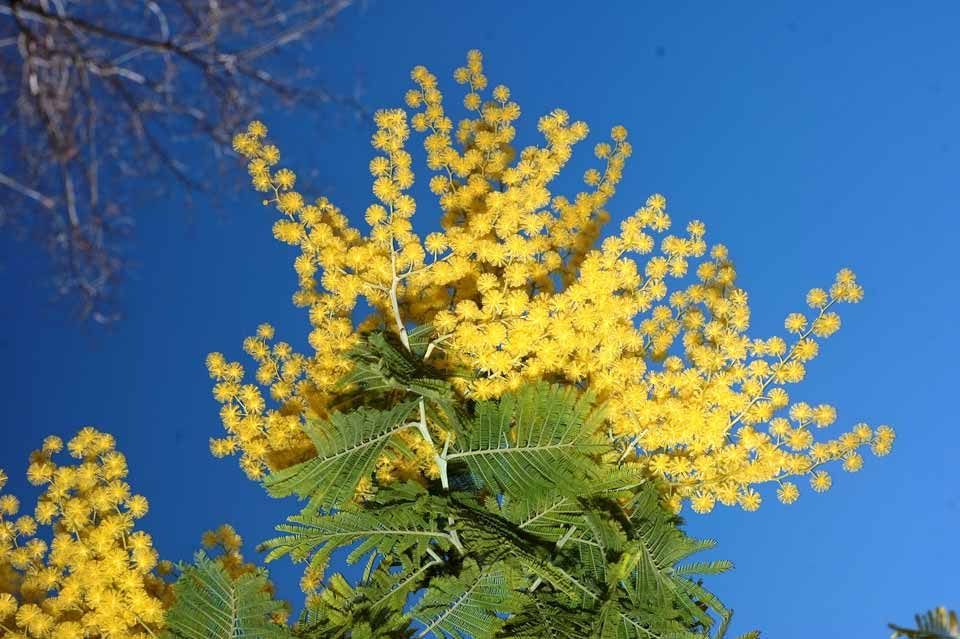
x,y
502,419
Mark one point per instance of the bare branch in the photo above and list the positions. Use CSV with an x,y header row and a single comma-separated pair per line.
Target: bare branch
x,y
294,33
104,98
45,201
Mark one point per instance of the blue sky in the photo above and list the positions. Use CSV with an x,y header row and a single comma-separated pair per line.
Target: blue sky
x,y
808,138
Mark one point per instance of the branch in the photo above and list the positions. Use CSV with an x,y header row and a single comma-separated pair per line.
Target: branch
x,y
296,32
45,201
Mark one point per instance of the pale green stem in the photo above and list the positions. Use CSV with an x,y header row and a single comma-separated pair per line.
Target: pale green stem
x,y
441,459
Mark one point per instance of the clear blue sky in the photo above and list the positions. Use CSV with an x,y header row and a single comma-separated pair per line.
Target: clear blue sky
x,y
807,136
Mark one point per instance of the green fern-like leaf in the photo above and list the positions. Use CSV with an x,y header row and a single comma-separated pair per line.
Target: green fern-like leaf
x,y
390,524
703,568
654,580
371,610
547,616
464,606
420,338
617,622
536,439
348,446
210,604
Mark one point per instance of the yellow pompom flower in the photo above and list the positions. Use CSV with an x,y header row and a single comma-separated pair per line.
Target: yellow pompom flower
x,y
820,481
138,506
285,178
702,502
9,505
256,129
788,492
8,605
853,462
750,500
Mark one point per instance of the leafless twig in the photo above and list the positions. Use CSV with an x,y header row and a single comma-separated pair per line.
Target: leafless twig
x,y
104,93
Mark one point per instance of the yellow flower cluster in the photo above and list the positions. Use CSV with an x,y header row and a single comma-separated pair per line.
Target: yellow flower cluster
x,y
225,543
273,435
98,576
519,290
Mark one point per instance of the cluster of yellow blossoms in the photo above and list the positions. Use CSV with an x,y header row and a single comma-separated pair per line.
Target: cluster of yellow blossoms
x,y
97,576
518,289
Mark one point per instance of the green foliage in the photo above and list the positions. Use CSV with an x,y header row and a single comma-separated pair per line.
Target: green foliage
x,y
210,604
382,364
548,616
391,523
537,439
372,610
465,604
938,623
348,446
532,530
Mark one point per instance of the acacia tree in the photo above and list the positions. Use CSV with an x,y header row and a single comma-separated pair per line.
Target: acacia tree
x,y
103,99
505,440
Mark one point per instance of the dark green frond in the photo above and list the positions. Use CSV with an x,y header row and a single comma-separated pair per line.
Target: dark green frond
x,y
420,338
387,526
492,538
348,446
653,580
464,606
704,568
616,622
373,610
545,516
210,604
537,439
547,616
